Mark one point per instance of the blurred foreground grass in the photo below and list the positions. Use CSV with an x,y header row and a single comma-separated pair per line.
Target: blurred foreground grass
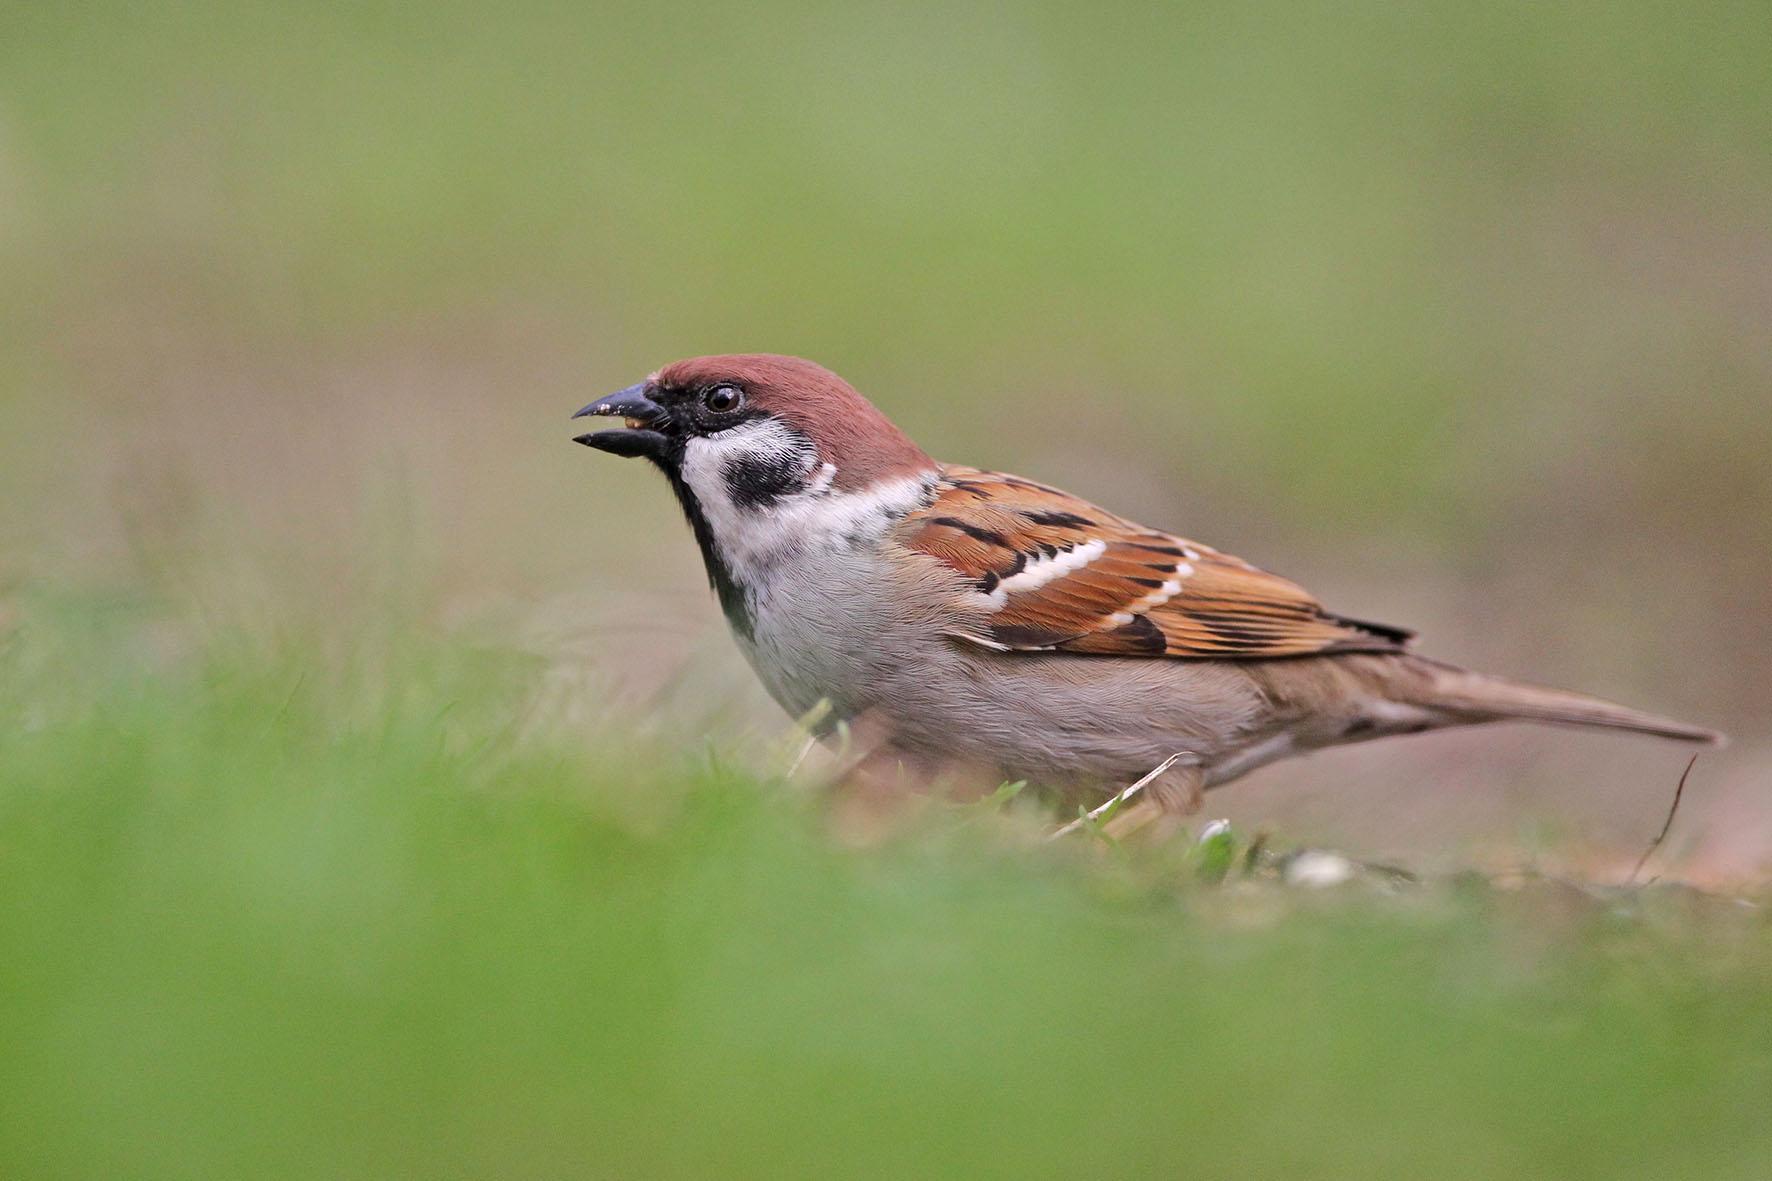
x,y
286,908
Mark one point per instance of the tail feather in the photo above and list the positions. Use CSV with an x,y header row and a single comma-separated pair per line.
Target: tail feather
x,y
1475,697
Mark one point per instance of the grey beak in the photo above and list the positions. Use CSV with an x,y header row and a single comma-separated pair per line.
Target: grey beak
x,y
629,403
634,405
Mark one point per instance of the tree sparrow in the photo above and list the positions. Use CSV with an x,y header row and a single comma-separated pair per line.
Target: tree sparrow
x,y
973,620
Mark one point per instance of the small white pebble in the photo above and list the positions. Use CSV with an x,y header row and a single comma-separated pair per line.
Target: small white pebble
x,y
1318,869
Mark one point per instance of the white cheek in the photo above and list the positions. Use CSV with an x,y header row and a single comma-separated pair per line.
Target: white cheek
x,y
753,539
705,460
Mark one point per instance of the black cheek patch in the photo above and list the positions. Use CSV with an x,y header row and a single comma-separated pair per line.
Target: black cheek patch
x,y
754,481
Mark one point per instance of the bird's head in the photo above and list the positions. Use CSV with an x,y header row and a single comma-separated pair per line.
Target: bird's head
x,y
765,426
769,456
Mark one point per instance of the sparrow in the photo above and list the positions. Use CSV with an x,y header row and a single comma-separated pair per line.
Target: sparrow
x,y
977,623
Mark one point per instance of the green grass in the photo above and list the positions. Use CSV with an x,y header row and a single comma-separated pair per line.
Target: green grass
x,y
279,908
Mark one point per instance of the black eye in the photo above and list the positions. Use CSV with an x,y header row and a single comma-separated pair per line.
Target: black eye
x,y
723,399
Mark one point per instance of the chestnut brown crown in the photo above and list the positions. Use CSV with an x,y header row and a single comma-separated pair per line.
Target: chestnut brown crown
x,y
849,432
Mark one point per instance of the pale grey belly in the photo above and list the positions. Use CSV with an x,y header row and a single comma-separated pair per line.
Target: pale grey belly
x,y
948,703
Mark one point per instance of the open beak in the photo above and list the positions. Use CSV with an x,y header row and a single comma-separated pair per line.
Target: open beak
x,y
640,413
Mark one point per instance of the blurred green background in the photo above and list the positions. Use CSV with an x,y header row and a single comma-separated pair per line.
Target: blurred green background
x,y
1459,314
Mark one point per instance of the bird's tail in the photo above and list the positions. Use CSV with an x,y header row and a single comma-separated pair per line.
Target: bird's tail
x,y
1474,697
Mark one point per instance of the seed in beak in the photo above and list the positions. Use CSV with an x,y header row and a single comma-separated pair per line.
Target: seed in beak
x,y
633,423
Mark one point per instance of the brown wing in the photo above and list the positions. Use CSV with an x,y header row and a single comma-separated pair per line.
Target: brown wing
x,y
1051,572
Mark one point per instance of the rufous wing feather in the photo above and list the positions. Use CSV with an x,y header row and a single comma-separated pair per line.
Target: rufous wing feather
x,y
1049,572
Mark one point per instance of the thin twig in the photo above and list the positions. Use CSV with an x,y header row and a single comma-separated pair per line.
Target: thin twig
x,y
1666,824
1114,802
794,767
806,726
